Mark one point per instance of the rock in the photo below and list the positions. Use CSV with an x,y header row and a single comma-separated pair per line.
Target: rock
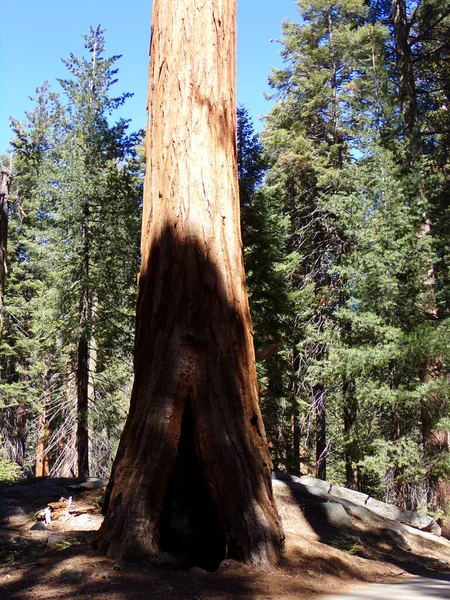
x,y
164,560
73,575
387,511
431,527
397,539
330,514
80,521
39,526
90,484
229,565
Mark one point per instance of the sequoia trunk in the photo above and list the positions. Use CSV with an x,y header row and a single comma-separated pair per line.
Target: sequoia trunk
x,y
192,475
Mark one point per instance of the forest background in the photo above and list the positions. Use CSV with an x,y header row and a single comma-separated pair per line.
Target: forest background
x,y
345,220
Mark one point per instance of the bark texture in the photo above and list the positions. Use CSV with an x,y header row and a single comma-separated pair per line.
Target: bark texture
x,y
194,421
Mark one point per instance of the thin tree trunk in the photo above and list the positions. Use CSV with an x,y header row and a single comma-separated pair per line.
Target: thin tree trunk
x,y
321,432
21,436
351,446
407,83
92,367
42,455
398,470
5,184
296,443
194,414
83,357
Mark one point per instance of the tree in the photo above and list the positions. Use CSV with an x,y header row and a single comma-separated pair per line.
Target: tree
x,y
74,251
268,265
192,473
308,141
5,185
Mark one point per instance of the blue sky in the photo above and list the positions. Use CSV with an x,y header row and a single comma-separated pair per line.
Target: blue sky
x,y
34,35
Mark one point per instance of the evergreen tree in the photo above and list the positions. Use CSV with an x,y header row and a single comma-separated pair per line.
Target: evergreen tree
x,y
307,138
194,440
82,179
268,264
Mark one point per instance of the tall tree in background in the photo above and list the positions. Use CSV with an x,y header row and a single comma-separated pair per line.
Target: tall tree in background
x,y
22,376
268,264
5,187
94,193
89,145
194,444
307,140
74,262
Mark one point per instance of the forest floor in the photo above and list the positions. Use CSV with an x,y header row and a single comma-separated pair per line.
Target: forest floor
x,y
59,562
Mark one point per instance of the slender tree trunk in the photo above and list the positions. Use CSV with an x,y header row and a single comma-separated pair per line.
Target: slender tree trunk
x,y
407,82
21,435
398,469
296,443
5,183
42,455
351,446
83,356
194,415
321,432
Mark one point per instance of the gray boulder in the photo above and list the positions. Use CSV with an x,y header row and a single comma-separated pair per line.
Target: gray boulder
x,y
387,511
331,514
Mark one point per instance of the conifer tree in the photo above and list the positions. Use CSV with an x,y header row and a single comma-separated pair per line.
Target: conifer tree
x,y
80,178
268,265
307,138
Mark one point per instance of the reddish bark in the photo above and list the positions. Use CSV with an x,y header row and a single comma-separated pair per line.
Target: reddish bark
x,y
193,472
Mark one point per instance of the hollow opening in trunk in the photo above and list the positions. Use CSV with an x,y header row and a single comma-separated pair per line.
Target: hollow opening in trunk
x,y
189,528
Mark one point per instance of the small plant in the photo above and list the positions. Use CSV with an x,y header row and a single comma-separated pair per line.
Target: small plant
x,y
346,545
63,545
10,472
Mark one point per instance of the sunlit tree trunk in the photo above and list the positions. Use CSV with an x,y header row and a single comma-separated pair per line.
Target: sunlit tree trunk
x,y
42,454
193,447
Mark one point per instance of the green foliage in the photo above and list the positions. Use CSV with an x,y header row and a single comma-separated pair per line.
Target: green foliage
x,y
10,472
371,337
74,253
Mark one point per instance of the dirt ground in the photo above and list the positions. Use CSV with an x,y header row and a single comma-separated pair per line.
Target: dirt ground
x,y
59,561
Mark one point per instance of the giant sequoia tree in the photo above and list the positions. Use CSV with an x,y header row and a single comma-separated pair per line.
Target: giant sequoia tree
x,y
192,473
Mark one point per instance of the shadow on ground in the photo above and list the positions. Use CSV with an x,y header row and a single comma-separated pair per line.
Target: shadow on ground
x,y
322,558
377,539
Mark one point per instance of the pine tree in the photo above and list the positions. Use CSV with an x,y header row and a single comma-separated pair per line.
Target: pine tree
x,y
21,377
